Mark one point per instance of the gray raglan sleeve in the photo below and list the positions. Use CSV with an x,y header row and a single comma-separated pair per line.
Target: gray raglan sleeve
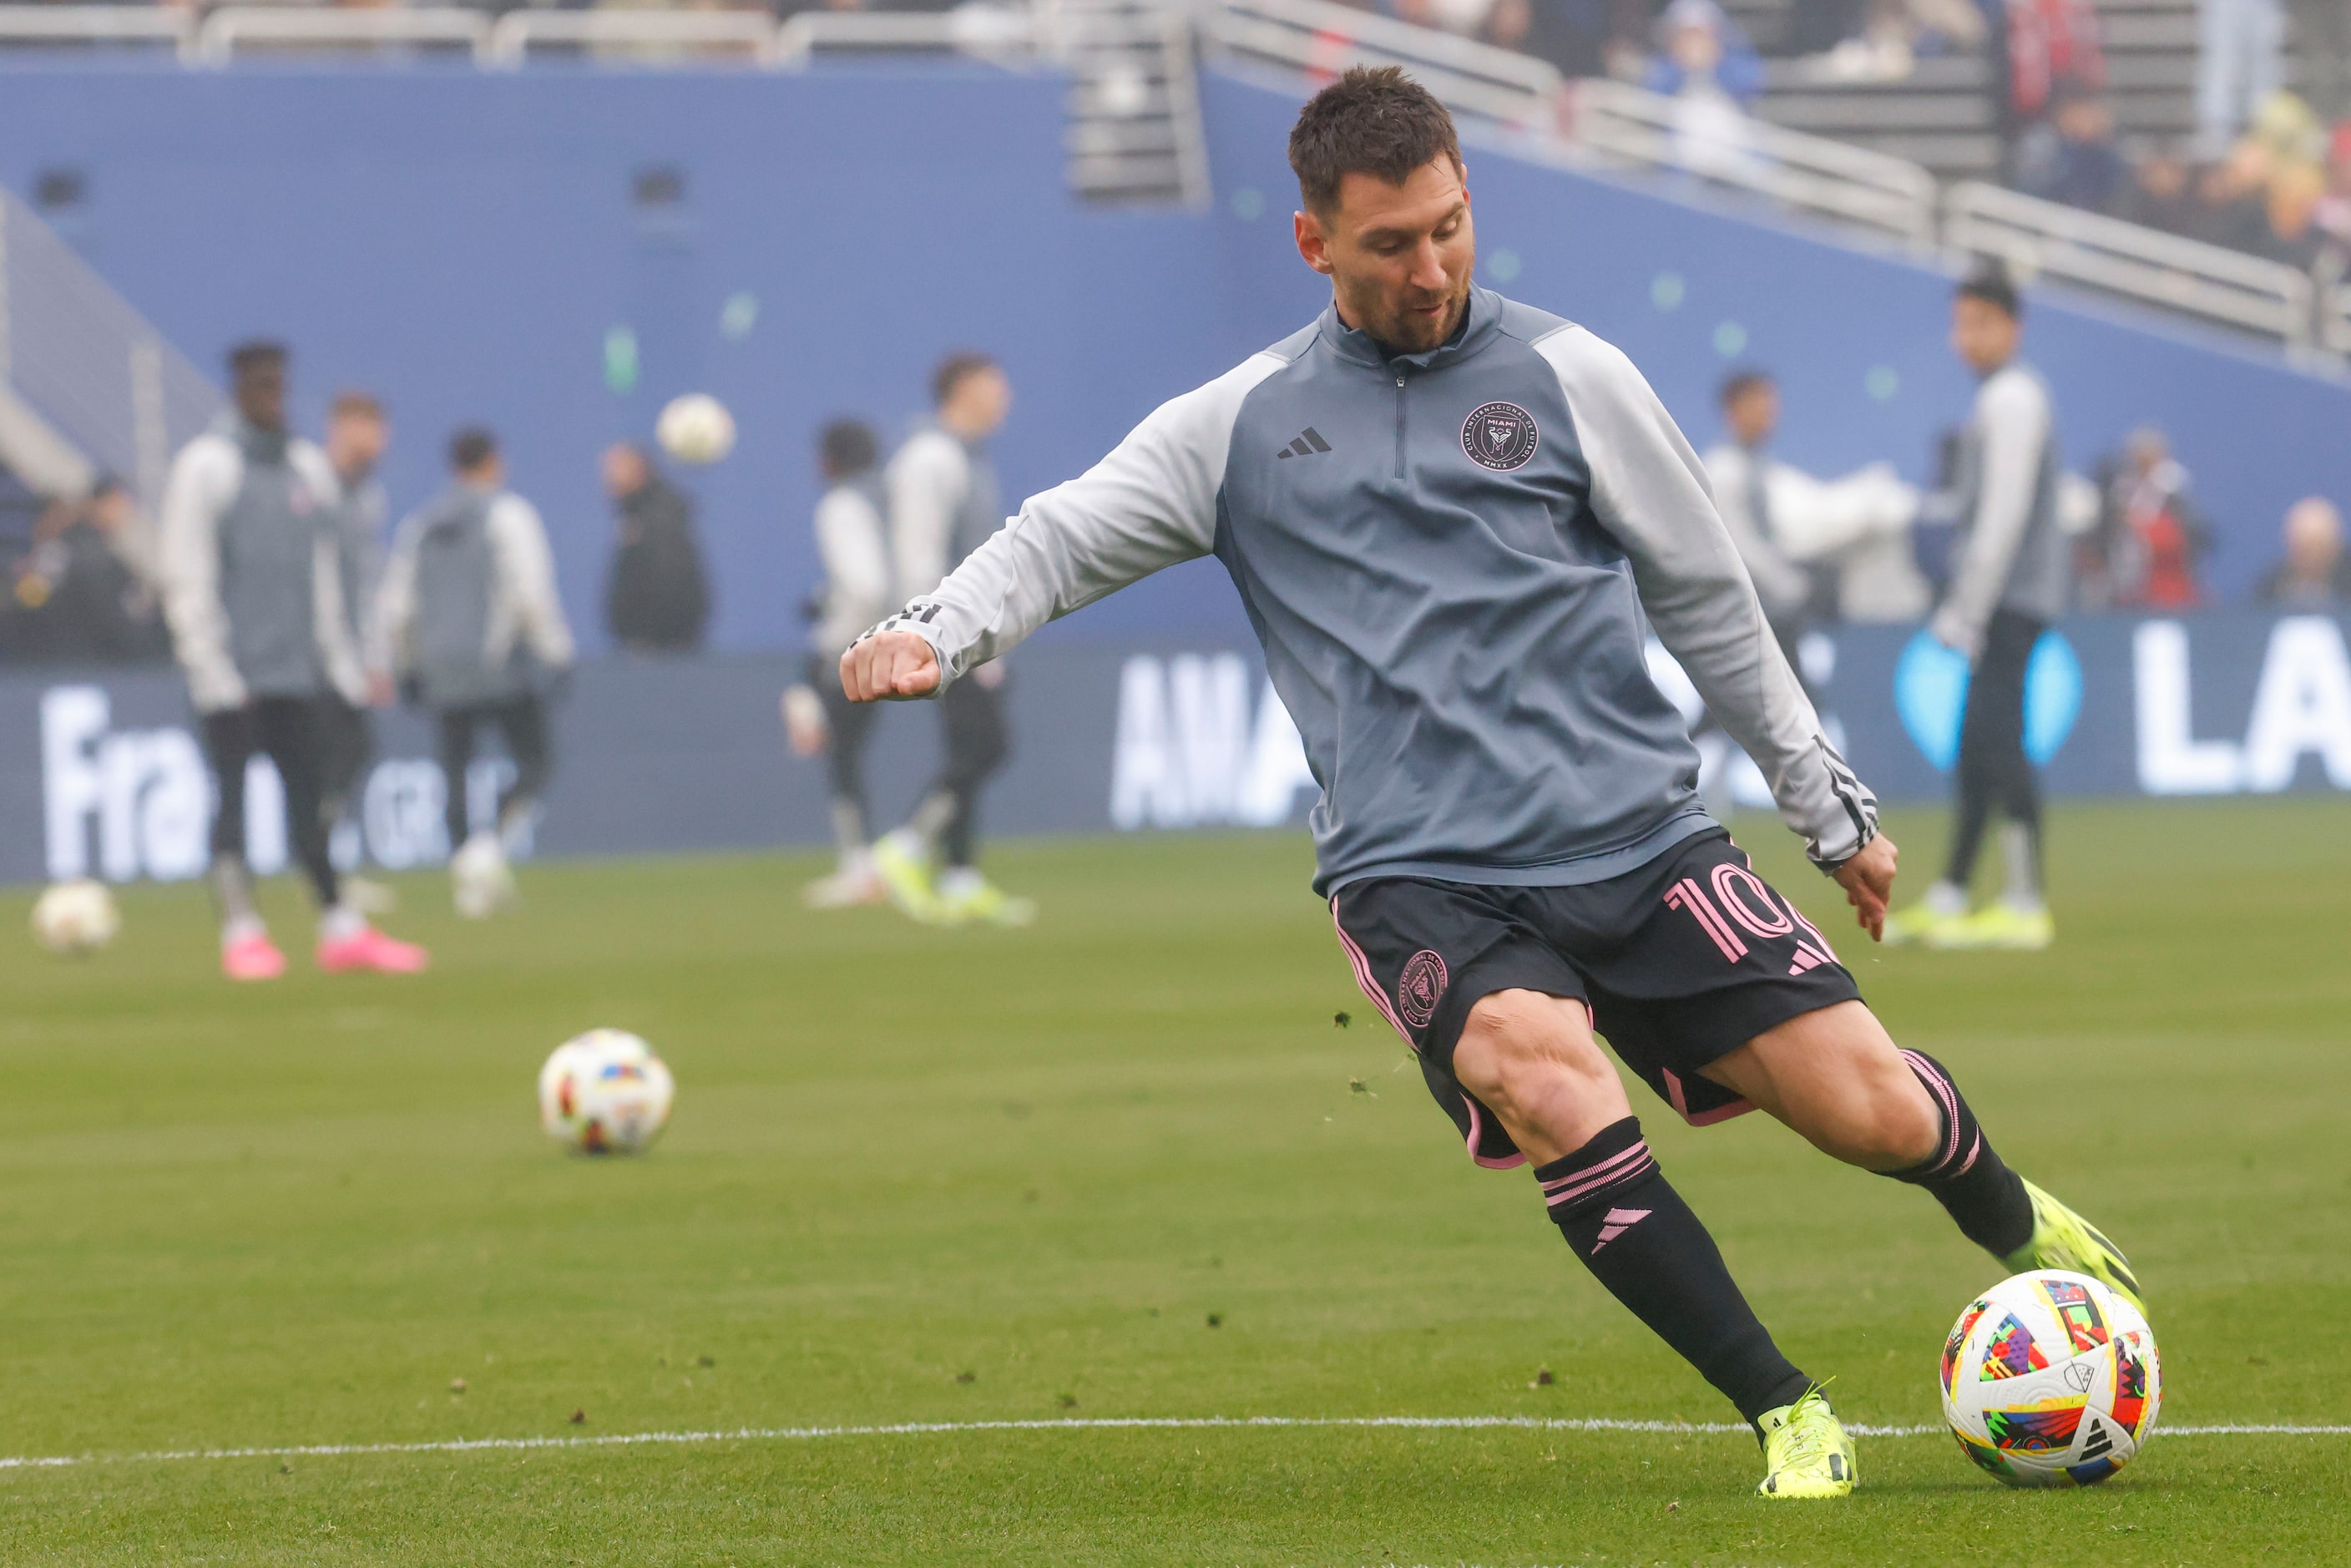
x,y
1649,490
1150,504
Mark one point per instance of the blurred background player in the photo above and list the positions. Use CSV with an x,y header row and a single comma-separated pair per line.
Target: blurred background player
x,y
475,633
657,598
253,589
357,434
853,547
1848,539
2010,577
944,503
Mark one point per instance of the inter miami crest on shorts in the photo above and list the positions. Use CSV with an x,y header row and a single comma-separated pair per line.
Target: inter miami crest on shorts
x,y
1501,437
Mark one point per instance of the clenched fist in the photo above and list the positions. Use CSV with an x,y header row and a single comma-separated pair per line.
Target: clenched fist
x,y
890,666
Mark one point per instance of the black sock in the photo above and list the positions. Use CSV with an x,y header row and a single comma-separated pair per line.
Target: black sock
x,y
1986,1199
1641,1240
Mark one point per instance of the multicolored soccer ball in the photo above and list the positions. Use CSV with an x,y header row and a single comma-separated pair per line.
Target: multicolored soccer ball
x,y
604,1092
2052,1379
76,917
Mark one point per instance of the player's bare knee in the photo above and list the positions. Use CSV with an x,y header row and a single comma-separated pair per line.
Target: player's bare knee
x,y
1888,1123
1518,1043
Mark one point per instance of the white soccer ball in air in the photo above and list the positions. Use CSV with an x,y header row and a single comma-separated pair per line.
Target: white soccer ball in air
x,y
696,428
604,1092
76,917
2052,1379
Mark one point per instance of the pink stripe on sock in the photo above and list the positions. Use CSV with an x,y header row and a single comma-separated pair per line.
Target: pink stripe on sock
x,y
1948,1098
1617,1168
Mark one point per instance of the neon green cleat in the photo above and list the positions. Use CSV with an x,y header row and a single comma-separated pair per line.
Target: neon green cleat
x,y
906,874
2063,1239
1996,926
1805,1450
968,895
1919,922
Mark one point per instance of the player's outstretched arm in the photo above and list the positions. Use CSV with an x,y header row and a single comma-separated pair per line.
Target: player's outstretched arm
x,y
888,666
1150,504
1649,490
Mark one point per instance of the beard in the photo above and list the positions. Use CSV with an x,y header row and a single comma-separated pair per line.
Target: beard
x,y
1407,331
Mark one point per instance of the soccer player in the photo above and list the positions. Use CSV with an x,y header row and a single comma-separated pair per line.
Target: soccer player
x,y
943,502
1452,518
357,435
2012,575
852,541
476,632
252,590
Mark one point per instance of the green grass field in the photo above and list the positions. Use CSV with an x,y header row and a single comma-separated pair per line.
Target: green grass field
x,y
1122,1164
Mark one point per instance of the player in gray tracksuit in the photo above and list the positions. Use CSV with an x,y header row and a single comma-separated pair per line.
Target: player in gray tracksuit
x,y
473,630
357,434
1454,521
2012,576
853,542
944,502
253,592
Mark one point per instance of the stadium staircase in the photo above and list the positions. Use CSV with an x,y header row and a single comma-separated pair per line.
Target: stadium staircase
x,y
1135,135
86,385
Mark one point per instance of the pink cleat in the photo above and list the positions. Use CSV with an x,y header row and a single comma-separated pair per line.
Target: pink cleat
x,y
253,957
370,949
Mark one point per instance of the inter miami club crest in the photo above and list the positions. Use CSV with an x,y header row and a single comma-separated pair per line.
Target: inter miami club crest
x,y
1501,437
1422,985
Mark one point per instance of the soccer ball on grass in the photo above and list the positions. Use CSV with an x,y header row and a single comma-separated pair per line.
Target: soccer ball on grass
x,y
76,917
604,1092
2050,1379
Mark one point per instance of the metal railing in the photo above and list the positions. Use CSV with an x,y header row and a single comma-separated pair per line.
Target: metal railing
x,y
1317,38
93,369
1626,124
649,36
2336,325
371,27
2051,240
173,26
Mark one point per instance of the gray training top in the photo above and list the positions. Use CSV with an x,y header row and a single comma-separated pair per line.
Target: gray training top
x,y
1453,560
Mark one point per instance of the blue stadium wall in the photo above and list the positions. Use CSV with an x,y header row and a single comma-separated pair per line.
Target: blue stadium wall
x,y
464,244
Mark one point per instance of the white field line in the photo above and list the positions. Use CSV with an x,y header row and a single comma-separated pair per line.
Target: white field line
x,y
1124,1423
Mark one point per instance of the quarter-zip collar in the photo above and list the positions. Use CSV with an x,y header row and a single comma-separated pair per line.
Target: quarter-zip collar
x,y
1480,322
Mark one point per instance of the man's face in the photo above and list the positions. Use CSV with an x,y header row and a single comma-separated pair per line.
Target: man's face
x,y
2314,539
109,510
978,405
1399,257
355,443
1982,334
261,395
624,470
1754,415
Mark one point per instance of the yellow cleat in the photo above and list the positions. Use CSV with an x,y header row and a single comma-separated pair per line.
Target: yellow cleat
x,y
1805,1450
906,874
981,900
1919,922
2063,1239
1997,926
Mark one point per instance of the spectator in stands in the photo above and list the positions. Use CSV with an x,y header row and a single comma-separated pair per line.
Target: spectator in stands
x,y
2233,199
1818,549
2071,156
79,596
2049,44
1574,36
1710,72
2314,574
2239,62
2149,537
657,599
2161,194
1893,35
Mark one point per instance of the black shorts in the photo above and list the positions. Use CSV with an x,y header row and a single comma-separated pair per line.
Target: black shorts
x,y
1678,962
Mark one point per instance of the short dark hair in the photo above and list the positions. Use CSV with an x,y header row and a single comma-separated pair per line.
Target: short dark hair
x,y
353,403
471,448
254,354
1990,283
848,446
954,369
1372,121
1740,382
